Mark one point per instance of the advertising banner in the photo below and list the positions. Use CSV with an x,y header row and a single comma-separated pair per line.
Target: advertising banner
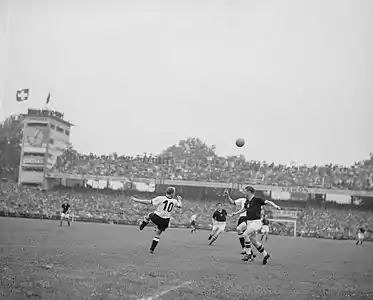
x,y
33,160
283,214
35,137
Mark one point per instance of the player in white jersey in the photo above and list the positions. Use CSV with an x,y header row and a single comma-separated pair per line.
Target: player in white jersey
x,y
161,216
241,224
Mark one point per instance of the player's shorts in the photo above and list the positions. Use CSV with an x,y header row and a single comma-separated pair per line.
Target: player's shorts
x,y
253,226
193,223
241,220
161,223
265,229
65,216
219,226
360,236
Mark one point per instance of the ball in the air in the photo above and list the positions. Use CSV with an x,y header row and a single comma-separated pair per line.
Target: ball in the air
x,y
240,142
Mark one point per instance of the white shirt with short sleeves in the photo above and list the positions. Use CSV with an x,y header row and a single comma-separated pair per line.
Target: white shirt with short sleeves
x,y
241,203
165,206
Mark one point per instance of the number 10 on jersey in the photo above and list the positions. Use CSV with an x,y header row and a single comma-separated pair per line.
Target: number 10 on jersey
x,y
168,206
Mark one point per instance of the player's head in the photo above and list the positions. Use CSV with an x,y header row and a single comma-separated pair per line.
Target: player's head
x,y
249,191
170,192
219,207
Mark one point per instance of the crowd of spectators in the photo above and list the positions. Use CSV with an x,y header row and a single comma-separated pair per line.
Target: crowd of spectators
x,y
113,206
194,160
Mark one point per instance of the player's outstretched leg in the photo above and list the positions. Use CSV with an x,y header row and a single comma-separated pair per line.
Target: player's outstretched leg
x,y
248,252
241,239
145,222
155,241
241,227
260,249
218,232
214,237
213,232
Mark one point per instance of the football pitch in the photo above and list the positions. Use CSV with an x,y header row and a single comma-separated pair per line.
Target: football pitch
x,y
40,260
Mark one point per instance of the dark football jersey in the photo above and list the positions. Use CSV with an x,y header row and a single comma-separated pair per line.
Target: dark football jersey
x,y
220,216
65,207
361,230
254,208
265,222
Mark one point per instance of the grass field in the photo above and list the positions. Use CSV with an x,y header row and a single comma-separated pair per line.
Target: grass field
x,y
39,260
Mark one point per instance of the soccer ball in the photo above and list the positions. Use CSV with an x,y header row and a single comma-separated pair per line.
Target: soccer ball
x,y
240,142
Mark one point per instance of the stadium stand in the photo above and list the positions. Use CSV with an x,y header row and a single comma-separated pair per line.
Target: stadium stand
x,y
193,160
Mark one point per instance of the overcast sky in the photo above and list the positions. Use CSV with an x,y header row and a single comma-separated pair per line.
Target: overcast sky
x,y
294,78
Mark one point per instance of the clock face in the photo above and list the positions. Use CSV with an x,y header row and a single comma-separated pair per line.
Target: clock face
x,y
36,138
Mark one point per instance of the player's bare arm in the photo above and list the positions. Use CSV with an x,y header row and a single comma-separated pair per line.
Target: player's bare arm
x,y
179,200
142,201
266,202
238,212
231,201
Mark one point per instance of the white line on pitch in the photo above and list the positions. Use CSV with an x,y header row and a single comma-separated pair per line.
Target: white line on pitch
x,y
166,291
13,246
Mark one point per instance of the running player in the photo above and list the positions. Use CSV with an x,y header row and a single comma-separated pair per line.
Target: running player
x,y
265,229
253,207
193,223
360,235
219,219
241,224
65,214
161,216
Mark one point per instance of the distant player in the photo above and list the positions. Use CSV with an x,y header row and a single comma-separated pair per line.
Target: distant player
x,y
253,207
193,224
219,221
360,235
265,229
161,216
65,214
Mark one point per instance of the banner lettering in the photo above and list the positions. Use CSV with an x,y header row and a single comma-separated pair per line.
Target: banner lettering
x,y
29,160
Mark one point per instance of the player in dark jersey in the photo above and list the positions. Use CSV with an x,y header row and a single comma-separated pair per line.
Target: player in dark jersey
x,y
219,219
360,235
253,208
65,214
265,229
193,224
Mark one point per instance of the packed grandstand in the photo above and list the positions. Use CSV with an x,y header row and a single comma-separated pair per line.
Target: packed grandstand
x,y
195,161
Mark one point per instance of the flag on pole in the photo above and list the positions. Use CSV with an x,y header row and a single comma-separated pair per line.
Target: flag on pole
x,y
22,95
48,98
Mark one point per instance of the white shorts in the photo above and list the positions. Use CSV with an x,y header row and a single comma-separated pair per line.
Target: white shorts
x,y
360,236
219,227
265,229
65,216
242,227
253,226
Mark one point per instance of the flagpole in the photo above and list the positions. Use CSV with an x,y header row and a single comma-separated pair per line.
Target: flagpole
x,y
6,56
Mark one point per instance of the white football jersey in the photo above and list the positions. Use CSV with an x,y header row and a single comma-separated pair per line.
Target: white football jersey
x,y
241,203
165,206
